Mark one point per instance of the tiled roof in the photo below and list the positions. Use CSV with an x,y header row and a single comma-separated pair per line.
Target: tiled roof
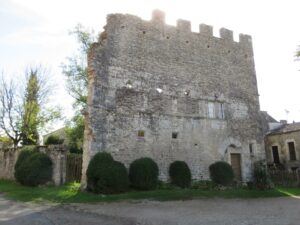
x,y
286,128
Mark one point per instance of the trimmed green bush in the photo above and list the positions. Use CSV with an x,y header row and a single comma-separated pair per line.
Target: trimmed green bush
x,y
143,174
54,140
180,174
33,168
104,175
24,154
221,173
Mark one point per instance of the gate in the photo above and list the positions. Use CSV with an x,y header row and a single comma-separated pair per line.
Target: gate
x,y
73,167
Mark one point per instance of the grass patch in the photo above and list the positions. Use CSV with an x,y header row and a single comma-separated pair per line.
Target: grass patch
x,y
70,193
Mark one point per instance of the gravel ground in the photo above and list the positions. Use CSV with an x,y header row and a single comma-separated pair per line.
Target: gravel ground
x,y
216,211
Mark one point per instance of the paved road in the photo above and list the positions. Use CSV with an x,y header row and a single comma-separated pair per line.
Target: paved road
x,y
270,211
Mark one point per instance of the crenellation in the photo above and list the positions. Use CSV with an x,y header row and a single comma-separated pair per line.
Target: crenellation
x,y
158,16
184,25
226,34
245,40
206,30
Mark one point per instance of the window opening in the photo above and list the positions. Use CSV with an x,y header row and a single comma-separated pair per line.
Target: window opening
x,y
174,135
292,151
141,133
275,154
211,113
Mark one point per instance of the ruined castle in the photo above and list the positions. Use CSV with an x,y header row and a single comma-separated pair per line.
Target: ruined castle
x,y
168,93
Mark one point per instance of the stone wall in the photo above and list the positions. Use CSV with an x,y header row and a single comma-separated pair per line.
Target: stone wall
x,y
146,76
281,141
57,154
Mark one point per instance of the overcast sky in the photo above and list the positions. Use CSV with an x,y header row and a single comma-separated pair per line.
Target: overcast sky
x,y
36,31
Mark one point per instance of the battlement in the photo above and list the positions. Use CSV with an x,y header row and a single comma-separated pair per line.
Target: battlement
x,y
183,27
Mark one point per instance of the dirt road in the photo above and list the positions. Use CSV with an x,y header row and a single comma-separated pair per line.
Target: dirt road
x,y
265,211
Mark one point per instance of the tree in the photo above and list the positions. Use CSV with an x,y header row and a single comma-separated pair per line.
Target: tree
x,y
31,110
297,55
75,69
74,132
23,109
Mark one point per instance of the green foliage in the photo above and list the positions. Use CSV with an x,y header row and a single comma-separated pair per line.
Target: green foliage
x,y
33,168
6,141
71,193
31,109
221,173
143,174
75,132
26,152
54,140
106,176
261,176
203,185
23,106
297,55
75,69
180,174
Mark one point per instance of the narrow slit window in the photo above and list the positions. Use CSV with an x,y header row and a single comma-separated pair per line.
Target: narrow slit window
x,y
251,149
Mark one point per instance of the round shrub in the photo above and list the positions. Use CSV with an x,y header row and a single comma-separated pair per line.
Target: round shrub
x,y
34,169
54,140
143,174
180,174
24,154
104,175
221,173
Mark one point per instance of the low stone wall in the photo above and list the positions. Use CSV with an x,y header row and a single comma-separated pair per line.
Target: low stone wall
x,y
57,153
8,158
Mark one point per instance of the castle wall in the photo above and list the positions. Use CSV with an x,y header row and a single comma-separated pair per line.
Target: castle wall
x,y
151,77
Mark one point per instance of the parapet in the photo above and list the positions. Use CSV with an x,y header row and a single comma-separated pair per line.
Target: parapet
x,y
206,29
183,26
226,34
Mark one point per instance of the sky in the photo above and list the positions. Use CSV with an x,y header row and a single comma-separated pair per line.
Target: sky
x,y
37,32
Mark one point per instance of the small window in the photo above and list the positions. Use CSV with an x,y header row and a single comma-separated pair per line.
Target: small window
x,y
141,133
222,111
292,151
251,150
211,111
174,135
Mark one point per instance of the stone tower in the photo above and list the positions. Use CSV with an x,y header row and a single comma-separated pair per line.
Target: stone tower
x,y
168,93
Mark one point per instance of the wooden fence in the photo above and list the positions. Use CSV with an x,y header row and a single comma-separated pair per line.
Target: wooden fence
x,y
73,167
285,178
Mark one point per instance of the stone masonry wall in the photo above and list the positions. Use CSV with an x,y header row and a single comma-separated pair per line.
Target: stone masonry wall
x,y
57,154
281,141
160,79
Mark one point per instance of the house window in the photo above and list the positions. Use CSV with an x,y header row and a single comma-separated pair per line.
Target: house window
x,y
174,135
275,154
141,133
292,151
211,110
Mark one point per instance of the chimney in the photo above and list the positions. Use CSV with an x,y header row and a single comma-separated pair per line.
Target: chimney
x,y
283,122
